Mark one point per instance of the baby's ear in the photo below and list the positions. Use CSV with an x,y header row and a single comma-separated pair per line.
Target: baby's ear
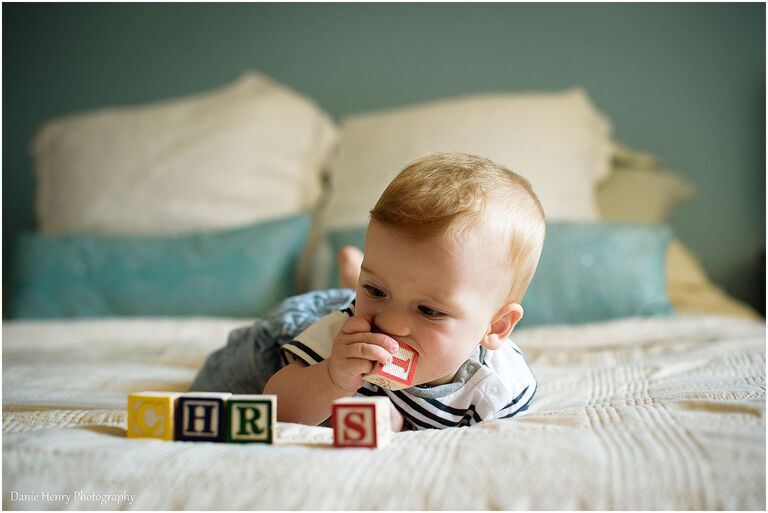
x,y
504,322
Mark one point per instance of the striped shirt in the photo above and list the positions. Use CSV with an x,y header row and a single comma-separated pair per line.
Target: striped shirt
x,y
494,384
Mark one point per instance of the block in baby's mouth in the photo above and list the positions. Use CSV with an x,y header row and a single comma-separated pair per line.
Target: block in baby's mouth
x,y
398,374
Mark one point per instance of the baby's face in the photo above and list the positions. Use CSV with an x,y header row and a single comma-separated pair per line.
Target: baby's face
x,y
438,296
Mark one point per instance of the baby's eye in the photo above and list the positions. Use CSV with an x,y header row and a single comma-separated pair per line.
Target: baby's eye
x,y
430,312
374,292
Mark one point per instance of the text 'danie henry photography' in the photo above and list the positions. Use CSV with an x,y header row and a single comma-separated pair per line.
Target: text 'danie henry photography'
x,y
71,497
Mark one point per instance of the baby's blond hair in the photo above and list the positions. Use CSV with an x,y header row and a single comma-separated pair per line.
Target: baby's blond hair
x,y
446,194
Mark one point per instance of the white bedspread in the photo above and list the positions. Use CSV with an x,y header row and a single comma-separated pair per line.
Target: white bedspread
x,y
664,413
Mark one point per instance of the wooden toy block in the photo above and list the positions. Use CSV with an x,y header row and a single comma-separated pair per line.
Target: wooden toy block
x,y
251,418
361,422
200,417
152,414
398,374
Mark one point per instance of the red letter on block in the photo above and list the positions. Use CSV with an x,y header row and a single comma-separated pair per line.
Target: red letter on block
x,y
398,374
354,424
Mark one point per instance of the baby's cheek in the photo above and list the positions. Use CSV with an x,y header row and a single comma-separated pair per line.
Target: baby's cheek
x,y
362,307
441,350
441,357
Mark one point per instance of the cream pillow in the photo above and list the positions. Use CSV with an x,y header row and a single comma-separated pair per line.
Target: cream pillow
x,y
559,141
642,196
691,292
639,189
248,151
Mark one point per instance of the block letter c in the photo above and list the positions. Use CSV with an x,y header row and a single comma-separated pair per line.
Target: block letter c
x,y
140,412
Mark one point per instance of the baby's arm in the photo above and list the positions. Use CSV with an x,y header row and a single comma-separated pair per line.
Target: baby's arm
x,y
305,393
396,419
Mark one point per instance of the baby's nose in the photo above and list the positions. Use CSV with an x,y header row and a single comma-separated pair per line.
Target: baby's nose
x,y
390,325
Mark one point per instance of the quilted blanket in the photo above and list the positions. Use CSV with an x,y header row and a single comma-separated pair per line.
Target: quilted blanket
x,y
641,414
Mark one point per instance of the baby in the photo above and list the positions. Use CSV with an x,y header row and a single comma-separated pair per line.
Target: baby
x,y
450,249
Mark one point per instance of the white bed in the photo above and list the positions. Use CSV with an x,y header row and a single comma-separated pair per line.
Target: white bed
x,y
639,413
660,413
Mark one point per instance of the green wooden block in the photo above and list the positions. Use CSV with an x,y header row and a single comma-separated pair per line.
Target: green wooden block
x,y
251,418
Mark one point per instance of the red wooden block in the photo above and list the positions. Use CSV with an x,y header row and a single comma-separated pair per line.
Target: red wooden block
x,y
398,374
361,422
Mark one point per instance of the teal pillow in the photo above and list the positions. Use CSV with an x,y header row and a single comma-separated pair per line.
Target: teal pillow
x,y
597,271
238,273
588,272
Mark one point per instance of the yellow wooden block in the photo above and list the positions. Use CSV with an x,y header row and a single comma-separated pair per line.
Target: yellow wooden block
x,y
151,414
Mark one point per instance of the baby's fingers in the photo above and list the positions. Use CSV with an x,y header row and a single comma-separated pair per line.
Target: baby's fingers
x,y
379,339
360,367
355,324
371,352
367,337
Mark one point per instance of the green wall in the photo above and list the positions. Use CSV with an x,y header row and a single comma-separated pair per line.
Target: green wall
x,y
683,81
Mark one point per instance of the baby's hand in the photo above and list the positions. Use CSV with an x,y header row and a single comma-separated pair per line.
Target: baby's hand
x,y
396,418
355,352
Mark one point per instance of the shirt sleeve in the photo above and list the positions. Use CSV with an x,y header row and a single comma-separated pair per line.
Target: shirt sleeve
x,y
314,344
519,382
